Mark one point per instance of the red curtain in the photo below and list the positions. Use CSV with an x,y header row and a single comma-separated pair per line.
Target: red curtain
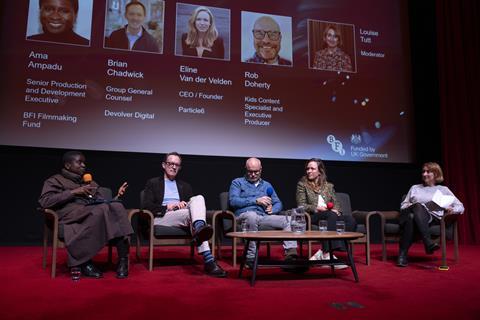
x,y
458,36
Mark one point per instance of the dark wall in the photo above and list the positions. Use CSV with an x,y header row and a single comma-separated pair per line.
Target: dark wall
x,y
371,186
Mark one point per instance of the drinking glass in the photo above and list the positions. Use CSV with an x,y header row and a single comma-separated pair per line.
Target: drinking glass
x,y
244,226
322,225
340,226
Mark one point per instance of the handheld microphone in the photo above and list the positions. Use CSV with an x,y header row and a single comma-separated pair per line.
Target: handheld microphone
x,y
269,191
87,179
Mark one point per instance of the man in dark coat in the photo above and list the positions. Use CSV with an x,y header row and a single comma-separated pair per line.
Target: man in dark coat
x,y
89,220
174,205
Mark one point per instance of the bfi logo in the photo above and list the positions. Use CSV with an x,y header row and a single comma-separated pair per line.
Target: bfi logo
x,y
337,145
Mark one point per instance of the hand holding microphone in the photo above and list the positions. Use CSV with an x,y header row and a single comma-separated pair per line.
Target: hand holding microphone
x,y
87,179
330,206
266,201
87,189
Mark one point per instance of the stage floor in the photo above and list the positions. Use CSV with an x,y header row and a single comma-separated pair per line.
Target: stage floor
x,y
178,289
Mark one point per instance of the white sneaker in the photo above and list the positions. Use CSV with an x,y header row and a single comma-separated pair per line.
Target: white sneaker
x,y
326,256
318,255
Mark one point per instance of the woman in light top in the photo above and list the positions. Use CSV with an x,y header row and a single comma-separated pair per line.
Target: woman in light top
x,y
418,211
202,39
318,198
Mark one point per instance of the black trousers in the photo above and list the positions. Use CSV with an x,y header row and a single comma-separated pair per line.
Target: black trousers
x,y
332,218
122,245
414,220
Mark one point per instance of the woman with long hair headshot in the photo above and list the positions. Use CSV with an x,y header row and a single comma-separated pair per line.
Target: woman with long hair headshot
x,y
202,39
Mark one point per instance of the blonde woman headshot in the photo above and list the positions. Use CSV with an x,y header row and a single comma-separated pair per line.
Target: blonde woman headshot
x,y
202,39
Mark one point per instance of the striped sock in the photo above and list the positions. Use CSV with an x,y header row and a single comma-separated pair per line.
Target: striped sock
x,y
198,223
207,256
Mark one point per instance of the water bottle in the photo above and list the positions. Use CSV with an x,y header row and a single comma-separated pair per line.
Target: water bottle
x,y
298,222
303,219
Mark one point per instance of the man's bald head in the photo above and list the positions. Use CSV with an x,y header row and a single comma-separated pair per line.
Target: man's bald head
x,y
266,23
253,168
267,38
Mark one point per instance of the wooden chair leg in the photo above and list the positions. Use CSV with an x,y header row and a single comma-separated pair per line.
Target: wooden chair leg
x,y
45,246
150,256
54,257
137,245
443,241
214,240
219,248
367,247
192,250
310,248
150,247
268,250
54,248
214,245
382,235
234,243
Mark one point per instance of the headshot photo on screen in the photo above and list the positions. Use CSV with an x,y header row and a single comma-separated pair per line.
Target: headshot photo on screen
x,y
60,21
202,32
266,39
331,46
135,25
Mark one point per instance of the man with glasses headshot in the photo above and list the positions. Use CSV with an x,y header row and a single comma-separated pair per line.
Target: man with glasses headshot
x,y
173,204
267,40
256,202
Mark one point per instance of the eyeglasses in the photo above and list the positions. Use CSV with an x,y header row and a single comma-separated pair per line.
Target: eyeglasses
x,y
260,34
173,164
254,171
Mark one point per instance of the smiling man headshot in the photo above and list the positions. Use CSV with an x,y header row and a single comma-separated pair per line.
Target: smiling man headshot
x,y
58,18
267,41
133,36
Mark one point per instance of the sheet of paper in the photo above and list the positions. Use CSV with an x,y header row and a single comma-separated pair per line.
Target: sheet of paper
x,y
321,201
443,201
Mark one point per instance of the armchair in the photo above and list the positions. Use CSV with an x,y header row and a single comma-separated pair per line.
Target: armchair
x,y
447,228
54,230
365,221
159,235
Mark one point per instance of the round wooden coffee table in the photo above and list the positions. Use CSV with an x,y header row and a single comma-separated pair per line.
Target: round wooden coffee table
x,y
259,236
